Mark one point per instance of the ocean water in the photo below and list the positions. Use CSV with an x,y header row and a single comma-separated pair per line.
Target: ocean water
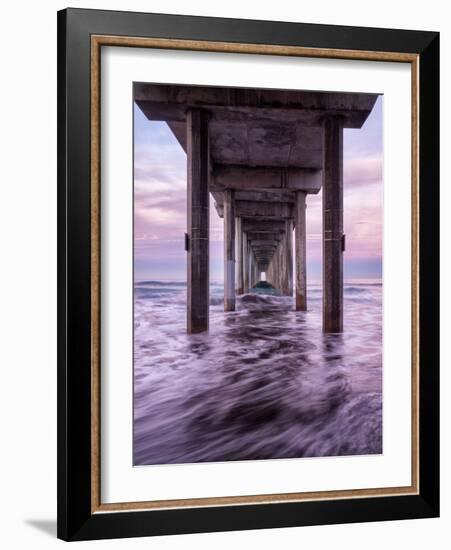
x,y
263,383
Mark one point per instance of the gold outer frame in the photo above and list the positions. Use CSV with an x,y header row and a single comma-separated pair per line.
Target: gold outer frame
x,y
97,41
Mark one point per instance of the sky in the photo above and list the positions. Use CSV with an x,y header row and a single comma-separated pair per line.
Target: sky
x,y
160,205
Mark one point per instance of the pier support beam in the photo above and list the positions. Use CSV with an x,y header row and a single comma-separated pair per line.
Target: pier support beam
x,y
269,277
253,270
270,272
198,220
300,253
284,266
239,256
285,260
289,256
278,266
245,262
333,225
229,250
273,272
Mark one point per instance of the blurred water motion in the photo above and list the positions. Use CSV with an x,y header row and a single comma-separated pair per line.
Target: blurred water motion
x,y
264,382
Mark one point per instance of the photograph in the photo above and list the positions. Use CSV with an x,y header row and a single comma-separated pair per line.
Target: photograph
x,y
258,273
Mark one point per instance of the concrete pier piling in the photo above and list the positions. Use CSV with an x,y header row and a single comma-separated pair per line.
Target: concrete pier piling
x,y
288,257
245,262
229,250
198,217
300,253
260,153
239,256
333,225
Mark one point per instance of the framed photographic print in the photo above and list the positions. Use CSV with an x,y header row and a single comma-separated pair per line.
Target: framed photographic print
x,y
248,274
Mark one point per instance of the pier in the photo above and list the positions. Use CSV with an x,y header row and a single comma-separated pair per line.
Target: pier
x,y
260,153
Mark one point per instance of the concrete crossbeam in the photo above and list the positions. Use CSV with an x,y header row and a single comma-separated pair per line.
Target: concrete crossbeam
x,y
263,242
260,210
265,179
258,235
263,226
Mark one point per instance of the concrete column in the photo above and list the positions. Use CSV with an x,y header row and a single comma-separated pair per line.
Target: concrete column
x,y
245,264
278,265
239,256
333,225
286,260
289,256
300,253
269,272
284,266
276,270
229,250
198,221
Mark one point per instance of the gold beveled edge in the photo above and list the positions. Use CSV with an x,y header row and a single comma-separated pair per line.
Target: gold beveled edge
x,y
255,499
96,42
234,47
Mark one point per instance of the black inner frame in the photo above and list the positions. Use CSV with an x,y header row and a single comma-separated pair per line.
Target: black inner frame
x,y
75,521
